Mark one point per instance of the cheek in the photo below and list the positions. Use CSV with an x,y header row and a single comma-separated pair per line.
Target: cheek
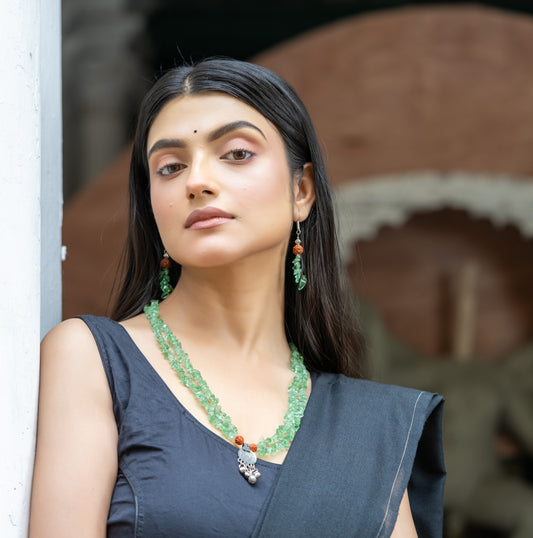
x,y
271,185
164,206
170,214
159,205
270,206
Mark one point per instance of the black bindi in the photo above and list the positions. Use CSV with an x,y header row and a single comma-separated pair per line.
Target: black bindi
x,y
195,131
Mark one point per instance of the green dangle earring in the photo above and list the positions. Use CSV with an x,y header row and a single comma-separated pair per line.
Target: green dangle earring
x,y
297,250
164,277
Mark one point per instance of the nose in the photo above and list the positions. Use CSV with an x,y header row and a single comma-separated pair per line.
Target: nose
x,y
200,180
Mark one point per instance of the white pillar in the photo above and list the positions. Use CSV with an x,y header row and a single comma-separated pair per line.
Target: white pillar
x,y
51,163
24,43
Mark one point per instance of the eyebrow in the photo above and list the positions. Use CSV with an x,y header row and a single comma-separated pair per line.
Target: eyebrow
x,y
214,135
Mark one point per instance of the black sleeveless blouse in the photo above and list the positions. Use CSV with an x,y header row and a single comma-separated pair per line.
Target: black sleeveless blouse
x,y
359,446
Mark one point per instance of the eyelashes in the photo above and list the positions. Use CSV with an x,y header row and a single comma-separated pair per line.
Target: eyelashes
x,y
170,169
237,155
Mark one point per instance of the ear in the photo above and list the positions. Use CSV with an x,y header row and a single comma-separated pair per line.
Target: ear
x,y
304,193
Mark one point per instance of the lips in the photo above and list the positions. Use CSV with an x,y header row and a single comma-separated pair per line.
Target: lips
x,y
207,214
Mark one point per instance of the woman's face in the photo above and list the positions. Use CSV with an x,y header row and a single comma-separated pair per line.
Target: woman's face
x,y
221,188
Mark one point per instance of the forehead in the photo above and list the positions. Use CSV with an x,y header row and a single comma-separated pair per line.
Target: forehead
x,y
202,113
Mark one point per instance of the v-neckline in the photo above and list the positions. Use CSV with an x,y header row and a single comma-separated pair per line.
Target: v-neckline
x,y
221,440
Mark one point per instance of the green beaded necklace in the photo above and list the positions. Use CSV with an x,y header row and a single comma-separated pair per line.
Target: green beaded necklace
x,y
171,348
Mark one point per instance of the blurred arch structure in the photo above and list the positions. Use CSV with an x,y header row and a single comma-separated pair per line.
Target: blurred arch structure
x,y
364,206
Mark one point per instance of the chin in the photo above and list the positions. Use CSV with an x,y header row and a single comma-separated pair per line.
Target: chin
x,y
211,259
227,257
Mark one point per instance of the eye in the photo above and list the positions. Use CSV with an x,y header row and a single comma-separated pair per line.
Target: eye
x,y
170,169
239,154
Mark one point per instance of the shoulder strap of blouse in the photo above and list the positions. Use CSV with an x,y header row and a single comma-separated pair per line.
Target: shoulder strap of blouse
x,y
360,445
116,351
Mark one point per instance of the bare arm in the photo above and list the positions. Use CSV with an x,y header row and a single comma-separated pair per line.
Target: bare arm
x,y
76,457
405,526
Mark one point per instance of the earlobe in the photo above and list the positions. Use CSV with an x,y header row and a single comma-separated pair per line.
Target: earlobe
x,y
304,193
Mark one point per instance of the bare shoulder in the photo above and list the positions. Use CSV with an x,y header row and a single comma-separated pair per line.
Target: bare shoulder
x,y
70,359
76,462
71,333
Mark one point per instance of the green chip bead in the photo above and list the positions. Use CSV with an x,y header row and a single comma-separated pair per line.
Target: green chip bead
x,y
297,272
164,282
192,379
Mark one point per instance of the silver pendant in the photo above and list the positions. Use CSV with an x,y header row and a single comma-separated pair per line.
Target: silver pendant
x,y
246,460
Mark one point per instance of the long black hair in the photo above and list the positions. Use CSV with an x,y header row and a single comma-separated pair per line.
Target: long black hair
x,y
318,319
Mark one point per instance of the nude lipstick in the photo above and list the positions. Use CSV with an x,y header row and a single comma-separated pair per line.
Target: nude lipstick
x,y
208,217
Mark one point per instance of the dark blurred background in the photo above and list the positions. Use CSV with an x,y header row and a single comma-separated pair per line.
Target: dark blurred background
x,y
425,113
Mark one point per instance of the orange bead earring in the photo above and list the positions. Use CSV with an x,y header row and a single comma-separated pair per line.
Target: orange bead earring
x,y
164,277
297,250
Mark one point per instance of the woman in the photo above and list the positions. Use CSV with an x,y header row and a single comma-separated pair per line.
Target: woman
x,y
175,419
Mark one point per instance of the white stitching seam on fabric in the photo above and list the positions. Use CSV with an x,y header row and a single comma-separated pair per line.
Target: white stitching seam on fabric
x,y
399,466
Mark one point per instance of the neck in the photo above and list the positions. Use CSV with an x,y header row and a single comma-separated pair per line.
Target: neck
x,y
240,307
